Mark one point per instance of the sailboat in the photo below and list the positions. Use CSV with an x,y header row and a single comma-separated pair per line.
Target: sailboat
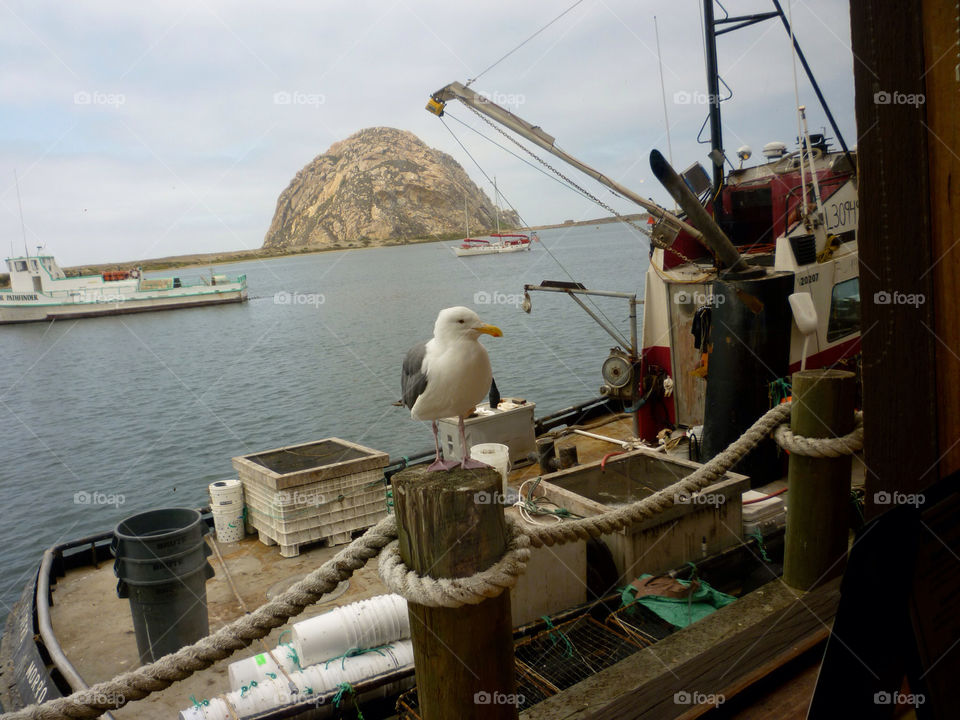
x,y
497,242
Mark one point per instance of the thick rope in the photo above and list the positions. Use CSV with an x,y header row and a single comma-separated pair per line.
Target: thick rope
x,y
434,592
821,447
159,675
455,592
450,592
710,472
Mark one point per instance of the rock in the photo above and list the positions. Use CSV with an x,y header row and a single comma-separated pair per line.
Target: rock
x,y
380,184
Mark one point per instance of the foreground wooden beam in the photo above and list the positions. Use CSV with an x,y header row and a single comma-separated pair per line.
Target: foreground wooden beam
x,y
715,658
896,251
942,103
451,525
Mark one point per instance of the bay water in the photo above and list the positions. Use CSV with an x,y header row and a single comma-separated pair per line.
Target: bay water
x,y
103,418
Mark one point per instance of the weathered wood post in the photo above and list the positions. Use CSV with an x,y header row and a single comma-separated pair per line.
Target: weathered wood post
x,y
451,524
819,497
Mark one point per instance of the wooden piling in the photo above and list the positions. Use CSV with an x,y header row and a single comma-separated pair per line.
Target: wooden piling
x,y
451,524
819,497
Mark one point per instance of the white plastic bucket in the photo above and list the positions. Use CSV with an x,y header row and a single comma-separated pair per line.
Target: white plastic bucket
x,y
496,456
215,710
365,624
228,522
322,678
327,675
225,493
257,667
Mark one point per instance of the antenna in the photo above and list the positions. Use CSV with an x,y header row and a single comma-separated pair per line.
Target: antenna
x,y
663,96
23,228
663,91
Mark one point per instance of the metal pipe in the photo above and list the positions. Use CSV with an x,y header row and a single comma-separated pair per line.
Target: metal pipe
x,y
630,297
584,291
610,331
622,443
713,236
713,98
57,656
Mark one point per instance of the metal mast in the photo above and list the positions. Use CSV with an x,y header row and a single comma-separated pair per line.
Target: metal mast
x,y
713,98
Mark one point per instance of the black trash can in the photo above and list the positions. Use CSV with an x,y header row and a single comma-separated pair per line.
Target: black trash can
x,y
161,560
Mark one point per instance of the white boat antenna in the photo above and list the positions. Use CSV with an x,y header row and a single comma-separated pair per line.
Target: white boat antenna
x,y
663,97
496,202
23,228
663,91
796,97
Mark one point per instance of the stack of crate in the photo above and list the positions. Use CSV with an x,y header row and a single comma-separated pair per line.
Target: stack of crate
x,y
323,490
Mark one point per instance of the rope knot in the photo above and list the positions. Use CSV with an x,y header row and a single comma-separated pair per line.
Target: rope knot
x,y
821,447
456,592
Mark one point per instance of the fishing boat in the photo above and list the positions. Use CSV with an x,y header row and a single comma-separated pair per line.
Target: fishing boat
x,y
763,257
757,277
40,290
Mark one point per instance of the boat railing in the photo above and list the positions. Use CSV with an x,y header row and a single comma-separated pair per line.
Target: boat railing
x,y
97,291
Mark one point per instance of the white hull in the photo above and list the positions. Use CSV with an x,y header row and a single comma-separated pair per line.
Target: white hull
x,y
47,309
39,290
491,249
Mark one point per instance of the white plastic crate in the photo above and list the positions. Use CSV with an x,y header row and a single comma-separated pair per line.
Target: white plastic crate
x,y
327,460
366,505
335,533
314,491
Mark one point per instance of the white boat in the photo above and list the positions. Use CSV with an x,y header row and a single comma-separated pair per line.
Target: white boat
x,y
494,243
497,243
40,290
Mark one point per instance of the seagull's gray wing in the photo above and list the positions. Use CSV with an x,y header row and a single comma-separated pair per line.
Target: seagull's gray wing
x,y
413,381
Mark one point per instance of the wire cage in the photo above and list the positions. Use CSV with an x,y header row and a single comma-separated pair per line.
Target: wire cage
x,y
553,659
639,623
562,655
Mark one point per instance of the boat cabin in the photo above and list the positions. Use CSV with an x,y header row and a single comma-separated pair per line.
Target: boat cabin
x,y
28,274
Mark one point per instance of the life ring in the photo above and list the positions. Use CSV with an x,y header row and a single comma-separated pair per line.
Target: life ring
x,y
135,273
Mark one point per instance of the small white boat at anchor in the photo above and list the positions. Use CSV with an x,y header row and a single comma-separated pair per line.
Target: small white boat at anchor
x,y
40,290
497,243
494,243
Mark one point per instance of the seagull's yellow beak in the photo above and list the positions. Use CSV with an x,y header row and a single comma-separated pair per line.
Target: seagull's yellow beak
x,y
489,330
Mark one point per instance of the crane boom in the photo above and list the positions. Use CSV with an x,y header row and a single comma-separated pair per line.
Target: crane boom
x,y
710,235
536,135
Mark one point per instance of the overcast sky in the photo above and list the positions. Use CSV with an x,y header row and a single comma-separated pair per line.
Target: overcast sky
x,y
144,129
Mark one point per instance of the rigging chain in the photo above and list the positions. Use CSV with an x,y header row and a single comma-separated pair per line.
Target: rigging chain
x,y
583,191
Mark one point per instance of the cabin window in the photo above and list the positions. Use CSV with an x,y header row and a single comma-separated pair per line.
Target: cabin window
x,y
844,309
22,265
33,264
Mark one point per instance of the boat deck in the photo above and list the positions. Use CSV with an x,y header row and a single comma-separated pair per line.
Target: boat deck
x,y
100,650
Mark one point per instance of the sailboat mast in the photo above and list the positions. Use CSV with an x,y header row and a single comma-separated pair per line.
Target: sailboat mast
x,y
496,202
23,228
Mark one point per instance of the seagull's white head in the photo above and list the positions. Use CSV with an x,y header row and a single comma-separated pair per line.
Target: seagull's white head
x,y
458,323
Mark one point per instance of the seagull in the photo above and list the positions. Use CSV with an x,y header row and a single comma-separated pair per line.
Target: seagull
x,y
448,375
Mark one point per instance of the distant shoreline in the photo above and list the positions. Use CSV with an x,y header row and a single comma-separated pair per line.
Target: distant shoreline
x,y
235,256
